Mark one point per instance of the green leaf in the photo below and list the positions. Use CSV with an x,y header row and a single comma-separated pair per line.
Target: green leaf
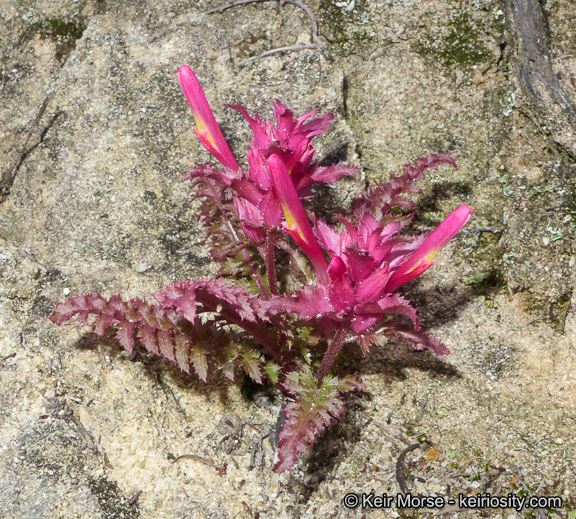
x,y
272,371
314,408
476,278
251,360
198,358
225,358
300,263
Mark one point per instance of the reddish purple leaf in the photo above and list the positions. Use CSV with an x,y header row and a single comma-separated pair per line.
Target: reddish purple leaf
x,y
125,335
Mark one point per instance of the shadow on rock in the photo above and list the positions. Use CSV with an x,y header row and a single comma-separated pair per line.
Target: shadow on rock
x,y
158,369
393,359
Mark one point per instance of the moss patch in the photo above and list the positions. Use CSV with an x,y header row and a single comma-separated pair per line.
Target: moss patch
x,y
65,32
459,42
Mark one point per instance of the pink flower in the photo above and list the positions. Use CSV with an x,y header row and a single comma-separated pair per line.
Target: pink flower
x,y
423,258
207,128
297,223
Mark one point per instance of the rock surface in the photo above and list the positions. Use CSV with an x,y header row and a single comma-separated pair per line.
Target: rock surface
x,y
95,136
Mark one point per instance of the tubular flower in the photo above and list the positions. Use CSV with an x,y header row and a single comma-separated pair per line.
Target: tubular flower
x,y
297,223
354,297
207,128
423,258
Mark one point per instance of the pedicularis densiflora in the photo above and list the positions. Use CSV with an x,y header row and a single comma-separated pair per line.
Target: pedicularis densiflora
x,y
341,285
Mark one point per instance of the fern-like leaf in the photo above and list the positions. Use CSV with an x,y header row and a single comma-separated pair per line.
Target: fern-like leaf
x,y
171,328
312,411
380,199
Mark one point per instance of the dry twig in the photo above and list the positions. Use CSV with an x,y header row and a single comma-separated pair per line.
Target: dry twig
x,y
400,474
194,457
316,43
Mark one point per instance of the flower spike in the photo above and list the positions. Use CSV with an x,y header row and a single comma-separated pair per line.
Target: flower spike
x,y
297,223
423,257
207,128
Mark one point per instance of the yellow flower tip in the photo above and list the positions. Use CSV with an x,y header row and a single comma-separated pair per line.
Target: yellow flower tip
x,y
203,133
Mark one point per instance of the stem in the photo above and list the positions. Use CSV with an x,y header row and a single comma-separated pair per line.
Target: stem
x,y
333,351
255,273
257,277
271,267
264,335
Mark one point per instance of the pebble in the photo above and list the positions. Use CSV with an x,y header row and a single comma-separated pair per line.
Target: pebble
x,y
141,267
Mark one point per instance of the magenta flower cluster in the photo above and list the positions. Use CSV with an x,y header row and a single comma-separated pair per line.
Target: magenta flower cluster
x,y
341,287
